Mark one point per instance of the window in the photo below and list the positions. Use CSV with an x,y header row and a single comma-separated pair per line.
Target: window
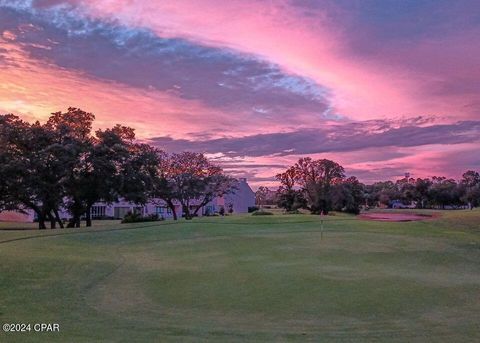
x,y
98,211
161,210
120,212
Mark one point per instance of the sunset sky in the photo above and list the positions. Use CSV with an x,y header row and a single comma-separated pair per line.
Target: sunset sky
x,y
383,87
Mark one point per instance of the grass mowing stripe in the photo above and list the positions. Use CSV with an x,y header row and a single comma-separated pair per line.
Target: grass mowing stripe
x,y
149,226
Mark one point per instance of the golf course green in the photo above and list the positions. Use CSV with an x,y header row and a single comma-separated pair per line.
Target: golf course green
x,y
276,278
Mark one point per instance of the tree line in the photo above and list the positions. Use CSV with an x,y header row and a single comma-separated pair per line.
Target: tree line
x,y
63,164
321,186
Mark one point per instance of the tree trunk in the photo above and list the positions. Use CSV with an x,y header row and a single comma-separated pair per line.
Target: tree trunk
x,y
74,221
204,203
186,210
41,223
39,213
41,219
71,222
57,217
53,221
88,216
172,207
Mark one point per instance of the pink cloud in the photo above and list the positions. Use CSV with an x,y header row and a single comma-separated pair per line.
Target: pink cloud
x,y
432,76
35,89
313,46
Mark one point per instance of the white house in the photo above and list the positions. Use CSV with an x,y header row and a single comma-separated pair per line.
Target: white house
x,y
237,202
242,199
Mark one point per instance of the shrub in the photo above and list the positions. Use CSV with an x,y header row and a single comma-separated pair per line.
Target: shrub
x,y
252,209
262,213
293,212
137,218
211,215
104,218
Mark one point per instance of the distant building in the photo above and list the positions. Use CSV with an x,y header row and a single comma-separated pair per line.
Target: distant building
x,y
237,202
241,200
398,204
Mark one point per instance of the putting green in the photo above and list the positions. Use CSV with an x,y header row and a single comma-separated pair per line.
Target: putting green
x,y
247,279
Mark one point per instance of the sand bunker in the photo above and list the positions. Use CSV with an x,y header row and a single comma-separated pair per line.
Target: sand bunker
x,y
395,217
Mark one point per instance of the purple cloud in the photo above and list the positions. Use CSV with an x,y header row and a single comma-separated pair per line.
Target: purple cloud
x,y
337,138
218,77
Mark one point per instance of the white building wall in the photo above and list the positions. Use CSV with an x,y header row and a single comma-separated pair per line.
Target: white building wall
x,y
243,198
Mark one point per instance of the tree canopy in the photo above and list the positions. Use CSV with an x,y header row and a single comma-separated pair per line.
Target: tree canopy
x,y
321,185
62,164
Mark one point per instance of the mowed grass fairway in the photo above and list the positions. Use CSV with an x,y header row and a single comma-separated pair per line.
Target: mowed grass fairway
x,y
245,278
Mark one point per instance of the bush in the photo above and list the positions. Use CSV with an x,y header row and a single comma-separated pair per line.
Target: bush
x,y
252,209
293,212
137,218
262,213
211,215
104,218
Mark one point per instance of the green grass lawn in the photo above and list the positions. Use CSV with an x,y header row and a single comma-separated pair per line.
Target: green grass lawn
x,y
245,278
